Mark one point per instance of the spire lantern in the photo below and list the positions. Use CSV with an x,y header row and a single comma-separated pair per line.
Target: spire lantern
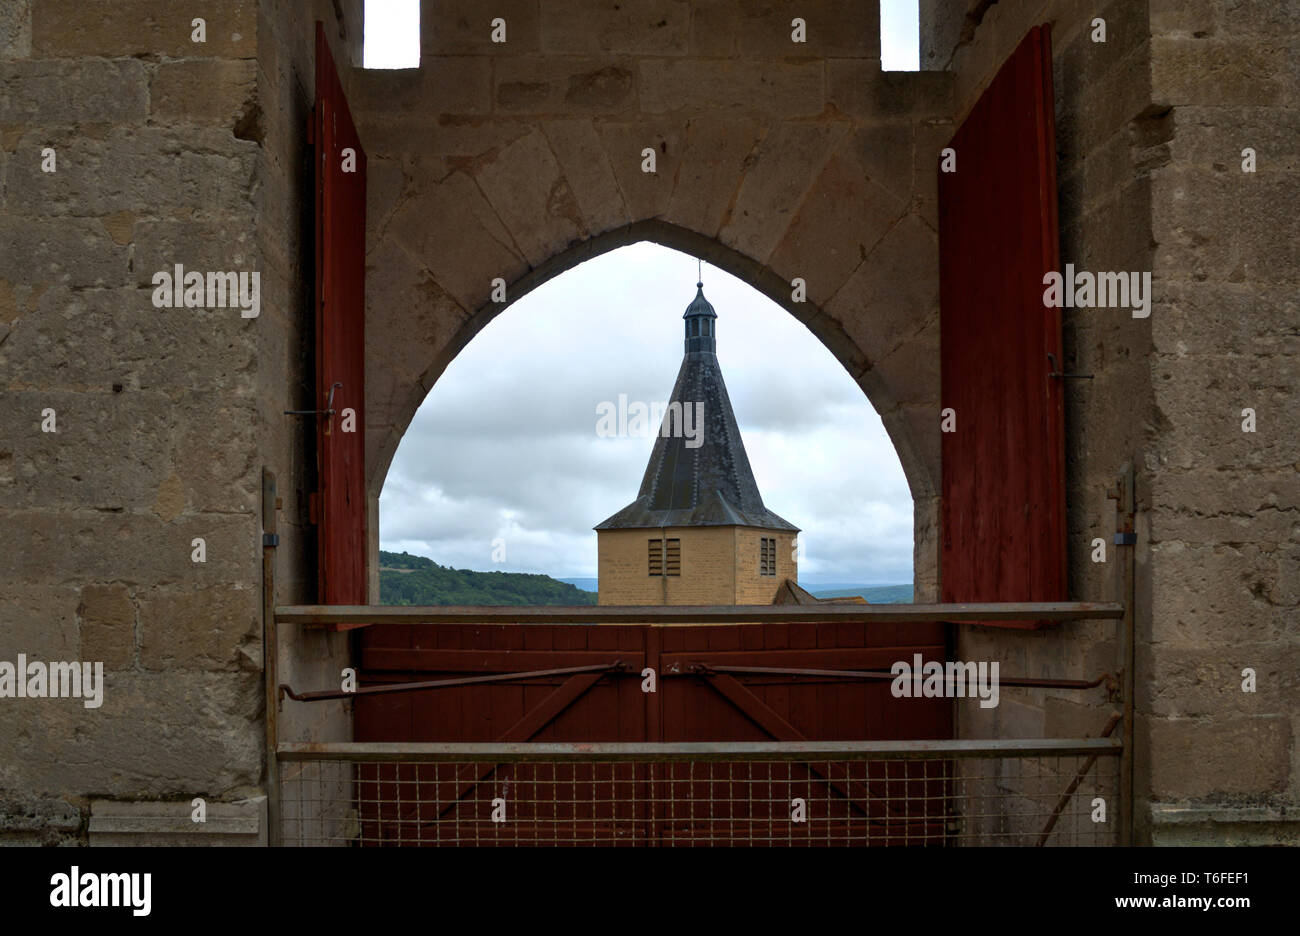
x,y
701,327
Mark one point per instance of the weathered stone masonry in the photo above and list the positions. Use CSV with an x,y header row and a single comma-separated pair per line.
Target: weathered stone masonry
x,y
775,160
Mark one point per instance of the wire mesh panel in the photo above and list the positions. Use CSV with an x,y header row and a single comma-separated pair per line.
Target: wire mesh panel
x,y
777,796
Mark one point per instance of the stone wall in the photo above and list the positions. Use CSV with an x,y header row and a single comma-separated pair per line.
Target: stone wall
x,y
1224,504
1150,128
167,151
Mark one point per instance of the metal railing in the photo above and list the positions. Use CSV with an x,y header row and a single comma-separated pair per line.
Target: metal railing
x,y
1035,792
932,793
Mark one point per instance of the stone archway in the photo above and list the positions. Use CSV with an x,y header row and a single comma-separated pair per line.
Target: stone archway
x,y
820,168
921,474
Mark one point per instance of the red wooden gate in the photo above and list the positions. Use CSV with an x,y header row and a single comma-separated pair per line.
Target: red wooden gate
x,y
340,507
706,690
1003,505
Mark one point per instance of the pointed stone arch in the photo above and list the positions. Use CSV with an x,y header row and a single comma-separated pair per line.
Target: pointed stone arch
x,y
912,427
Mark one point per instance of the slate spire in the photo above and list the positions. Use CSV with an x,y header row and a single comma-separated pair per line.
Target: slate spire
x,y
698,474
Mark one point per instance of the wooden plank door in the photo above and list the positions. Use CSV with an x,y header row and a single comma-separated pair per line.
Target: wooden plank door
x,y
1003,491
340,176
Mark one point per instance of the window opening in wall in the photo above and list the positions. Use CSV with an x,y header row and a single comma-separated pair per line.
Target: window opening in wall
x,y
900,35
392,34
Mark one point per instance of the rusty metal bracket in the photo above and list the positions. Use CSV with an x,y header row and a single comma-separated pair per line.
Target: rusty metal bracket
x,y
318,412
331,694
1064,801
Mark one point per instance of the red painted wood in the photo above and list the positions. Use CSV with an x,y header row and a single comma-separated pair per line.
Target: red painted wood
x,y
340,340
613,708
1003,492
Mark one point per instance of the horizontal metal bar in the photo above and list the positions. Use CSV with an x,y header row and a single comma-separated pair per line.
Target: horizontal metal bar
x,y
357,615
327,694
693,669
498,753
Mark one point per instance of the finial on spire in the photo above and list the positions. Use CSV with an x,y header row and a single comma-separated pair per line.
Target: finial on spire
x,y
699,273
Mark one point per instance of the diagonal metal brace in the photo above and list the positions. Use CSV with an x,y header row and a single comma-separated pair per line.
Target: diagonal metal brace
x,y
328,694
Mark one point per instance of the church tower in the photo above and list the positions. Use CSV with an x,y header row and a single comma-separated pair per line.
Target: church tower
x,y
698,532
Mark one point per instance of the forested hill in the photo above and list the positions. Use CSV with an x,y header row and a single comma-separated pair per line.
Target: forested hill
x,y
413,580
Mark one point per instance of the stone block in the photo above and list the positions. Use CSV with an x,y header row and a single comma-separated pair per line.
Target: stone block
x,y
71,252
1212,138
1191,210
908,369
564,86
409,318
107,626
781,170
835,29
91,91
914,430
457,84
464,27
894,292
525,187
1220,595
1213,825
467,249
16,29
1219,72
28,820
156,734
198,175
239,823
204,246
586,166
710,172
198,628
40,622
1201,400
1190,682
646,194
860,89
208,91
51,547
1220,755
123,28
636,27
778,89
96,338
1213,507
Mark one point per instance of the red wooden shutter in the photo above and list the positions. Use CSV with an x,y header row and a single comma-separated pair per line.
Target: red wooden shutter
x,y
340,339
1003,508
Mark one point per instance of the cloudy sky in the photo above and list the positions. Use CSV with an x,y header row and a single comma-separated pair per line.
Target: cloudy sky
x,y
505,446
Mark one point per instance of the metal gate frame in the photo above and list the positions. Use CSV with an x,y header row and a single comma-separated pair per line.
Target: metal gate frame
x,y
1121,611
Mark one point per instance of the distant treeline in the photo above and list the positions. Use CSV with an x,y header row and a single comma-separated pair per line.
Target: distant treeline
x,y
433,584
